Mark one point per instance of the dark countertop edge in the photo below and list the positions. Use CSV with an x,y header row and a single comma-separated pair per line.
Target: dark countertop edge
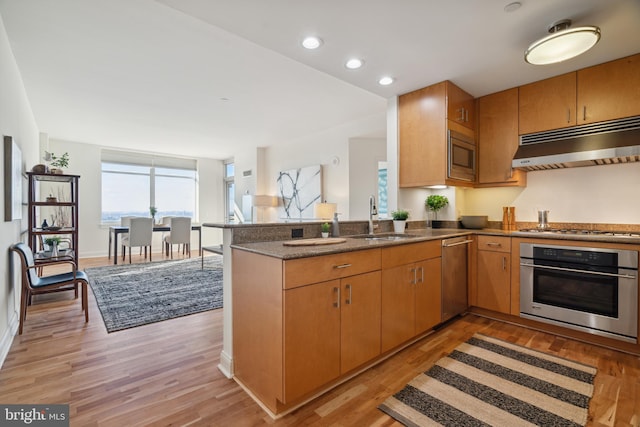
x,y
276,249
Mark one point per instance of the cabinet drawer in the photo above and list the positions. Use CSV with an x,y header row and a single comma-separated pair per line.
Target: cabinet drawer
x,y
411,252
494,243
304,271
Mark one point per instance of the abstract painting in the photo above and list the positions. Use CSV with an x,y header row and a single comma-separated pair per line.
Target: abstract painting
x,y
300,189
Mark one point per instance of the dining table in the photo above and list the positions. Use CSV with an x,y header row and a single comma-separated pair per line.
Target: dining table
x,y
116,230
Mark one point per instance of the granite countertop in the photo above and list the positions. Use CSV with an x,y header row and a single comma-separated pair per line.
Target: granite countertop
x,y
354,243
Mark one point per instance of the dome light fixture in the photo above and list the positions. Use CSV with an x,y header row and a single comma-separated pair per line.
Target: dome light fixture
x,y
563,43
312,42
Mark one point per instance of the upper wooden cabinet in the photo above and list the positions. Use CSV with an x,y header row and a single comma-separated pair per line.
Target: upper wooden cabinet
x,y
498,140
609,91
424,117
603,92
460,106
548,104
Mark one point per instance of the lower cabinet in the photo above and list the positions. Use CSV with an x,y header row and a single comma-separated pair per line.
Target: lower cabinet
x,y
494,273
411,293
329,329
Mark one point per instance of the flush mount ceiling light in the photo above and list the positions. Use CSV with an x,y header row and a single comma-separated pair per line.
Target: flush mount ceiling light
x,y
354,63
563,43
312,42
385,81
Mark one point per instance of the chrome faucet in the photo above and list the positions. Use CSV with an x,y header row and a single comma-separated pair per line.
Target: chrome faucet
x,y
372,211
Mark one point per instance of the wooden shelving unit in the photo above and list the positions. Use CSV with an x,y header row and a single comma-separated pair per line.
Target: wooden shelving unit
x,y
40,209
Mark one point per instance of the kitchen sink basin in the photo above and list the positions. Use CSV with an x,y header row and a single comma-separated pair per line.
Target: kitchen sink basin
x,y
384,236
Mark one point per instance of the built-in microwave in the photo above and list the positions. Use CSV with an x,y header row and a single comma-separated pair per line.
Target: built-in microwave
x,y
461,164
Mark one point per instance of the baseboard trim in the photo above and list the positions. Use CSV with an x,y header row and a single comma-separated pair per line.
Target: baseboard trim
x,y
7,338
226,365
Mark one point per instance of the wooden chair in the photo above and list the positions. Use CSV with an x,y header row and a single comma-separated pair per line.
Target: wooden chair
x,y
140,234
180,234
32,284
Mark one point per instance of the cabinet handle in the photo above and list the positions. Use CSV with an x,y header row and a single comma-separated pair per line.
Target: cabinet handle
x,y
349,299
413,282
568,115
342,266
336,291
504,263
421,274
494,244
466,115
584,113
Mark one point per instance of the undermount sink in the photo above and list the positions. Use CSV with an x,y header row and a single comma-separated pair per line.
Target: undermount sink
x,y
384,236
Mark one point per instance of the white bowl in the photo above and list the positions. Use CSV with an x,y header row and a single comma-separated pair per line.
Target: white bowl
x,y
474,221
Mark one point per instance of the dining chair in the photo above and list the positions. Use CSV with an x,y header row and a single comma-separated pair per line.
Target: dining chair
x,y
180,234
125,221
140,235
32,284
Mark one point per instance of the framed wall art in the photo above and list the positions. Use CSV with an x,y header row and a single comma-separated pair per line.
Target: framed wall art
x,y
299,190
12,180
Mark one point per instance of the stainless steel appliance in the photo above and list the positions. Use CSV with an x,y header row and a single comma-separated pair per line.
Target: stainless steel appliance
x,y
454,276
588,289
461,157
581,232
543,221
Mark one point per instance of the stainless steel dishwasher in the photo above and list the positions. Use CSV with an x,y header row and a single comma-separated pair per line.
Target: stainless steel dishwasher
x,y
454,276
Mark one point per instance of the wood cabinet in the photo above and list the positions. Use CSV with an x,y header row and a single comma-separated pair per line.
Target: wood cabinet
x,y
498,140
603,92
609,91
424,117
300,324
54,198
411,291
494,273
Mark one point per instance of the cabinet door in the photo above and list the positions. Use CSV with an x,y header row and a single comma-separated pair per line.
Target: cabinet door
x,y
398,308
360,319
609,91
548,104
422,136
428,297
460,106
498,139
311,337
494,272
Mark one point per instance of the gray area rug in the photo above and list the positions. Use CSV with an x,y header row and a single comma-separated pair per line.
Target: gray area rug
x,y
490,382
132,295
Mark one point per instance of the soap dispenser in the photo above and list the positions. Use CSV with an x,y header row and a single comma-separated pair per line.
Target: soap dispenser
x,y
335,226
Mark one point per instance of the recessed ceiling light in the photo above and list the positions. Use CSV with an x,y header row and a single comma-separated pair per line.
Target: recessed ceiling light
x,y
354,63
385,81
312,42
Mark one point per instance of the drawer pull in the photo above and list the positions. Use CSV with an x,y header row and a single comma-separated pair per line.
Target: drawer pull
x,y
497,245
342,266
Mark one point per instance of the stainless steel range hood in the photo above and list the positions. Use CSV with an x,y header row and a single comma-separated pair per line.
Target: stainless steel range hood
x,y
616,141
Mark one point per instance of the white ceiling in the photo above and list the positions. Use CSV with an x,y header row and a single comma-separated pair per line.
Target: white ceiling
x,y
211,77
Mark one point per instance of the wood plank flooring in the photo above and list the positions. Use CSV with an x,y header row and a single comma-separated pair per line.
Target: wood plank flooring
x,y
165,374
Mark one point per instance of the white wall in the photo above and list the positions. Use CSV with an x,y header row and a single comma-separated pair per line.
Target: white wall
x,y
321,148
84,160
364,155
16,120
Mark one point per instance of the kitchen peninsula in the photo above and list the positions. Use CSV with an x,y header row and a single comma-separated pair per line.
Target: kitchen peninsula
x,y
308,318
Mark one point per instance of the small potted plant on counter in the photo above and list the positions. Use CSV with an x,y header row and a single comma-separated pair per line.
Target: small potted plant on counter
x,y
399,220
435,202
325,228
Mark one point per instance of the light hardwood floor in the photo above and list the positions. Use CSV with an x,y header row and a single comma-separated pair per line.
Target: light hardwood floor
x,y
165,374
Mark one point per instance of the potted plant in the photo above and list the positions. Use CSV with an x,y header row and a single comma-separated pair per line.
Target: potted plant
x,y
153,210
325,228
58,163
435,202
52,243
399,220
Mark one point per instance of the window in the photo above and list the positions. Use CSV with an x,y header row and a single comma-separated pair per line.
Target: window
x,y
132,182
229,176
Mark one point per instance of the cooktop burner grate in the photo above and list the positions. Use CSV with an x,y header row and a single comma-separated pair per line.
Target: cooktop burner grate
x,y
582,232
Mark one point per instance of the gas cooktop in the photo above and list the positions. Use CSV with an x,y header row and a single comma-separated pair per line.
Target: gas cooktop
x,y
582,232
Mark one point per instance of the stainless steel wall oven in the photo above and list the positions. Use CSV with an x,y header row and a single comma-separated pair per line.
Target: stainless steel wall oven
x,y
589,289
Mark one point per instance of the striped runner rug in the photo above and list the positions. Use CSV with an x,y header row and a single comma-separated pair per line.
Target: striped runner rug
x,y
490,382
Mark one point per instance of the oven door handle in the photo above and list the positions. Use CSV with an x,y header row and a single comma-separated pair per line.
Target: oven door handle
x,y
574,270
